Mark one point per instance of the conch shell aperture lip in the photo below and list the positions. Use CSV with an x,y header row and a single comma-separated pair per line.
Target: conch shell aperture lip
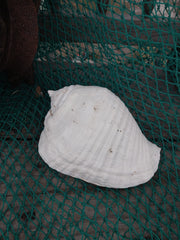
x,y
90,134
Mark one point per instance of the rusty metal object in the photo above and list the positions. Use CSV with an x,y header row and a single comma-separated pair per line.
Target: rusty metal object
x,y
3,31
19,39
37,4
4,34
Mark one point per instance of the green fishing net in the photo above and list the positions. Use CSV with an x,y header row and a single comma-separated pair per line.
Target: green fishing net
x,y
133,49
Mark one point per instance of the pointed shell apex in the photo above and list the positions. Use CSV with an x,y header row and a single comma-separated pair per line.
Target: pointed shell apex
x,y
51,92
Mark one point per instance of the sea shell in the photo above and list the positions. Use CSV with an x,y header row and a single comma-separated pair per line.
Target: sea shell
x,y
90,134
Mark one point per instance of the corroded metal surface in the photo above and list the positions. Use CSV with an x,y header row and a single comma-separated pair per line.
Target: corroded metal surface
x,y
19,26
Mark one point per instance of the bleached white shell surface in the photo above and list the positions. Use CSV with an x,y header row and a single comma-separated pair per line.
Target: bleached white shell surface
x,y
90,134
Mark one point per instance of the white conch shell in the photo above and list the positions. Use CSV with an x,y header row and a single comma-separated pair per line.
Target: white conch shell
x,y
90,134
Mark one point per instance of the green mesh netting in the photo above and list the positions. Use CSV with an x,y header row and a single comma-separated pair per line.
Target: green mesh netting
x,y
132,48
